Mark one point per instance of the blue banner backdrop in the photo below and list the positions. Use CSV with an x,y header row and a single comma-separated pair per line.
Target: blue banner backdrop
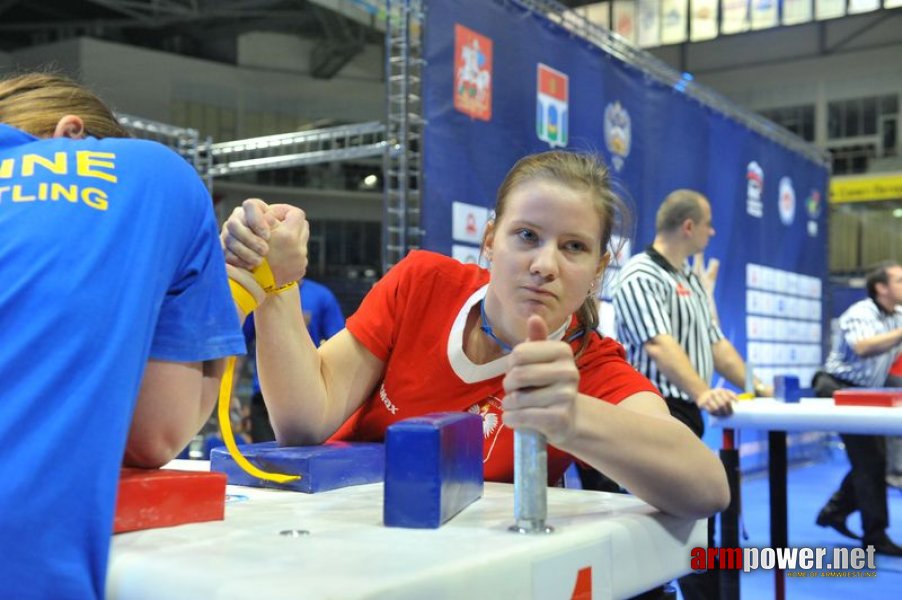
x,y
502,81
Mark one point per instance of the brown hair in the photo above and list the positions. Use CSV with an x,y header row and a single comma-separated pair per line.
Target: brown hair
x,y
582,172
35,102
678,206
878,274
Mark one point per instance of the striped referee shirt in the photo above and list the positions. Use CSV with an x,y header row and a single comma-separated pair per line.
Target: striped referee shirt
x,y
652,298
862,320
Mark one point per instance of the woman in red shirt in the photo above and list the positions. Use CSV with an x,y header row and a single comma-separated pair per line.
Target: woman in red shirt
x,y
515,343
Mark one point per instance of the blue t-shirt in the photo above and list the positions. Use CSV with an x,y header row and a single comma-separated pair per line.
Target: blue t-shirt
x,y
109,256
321,313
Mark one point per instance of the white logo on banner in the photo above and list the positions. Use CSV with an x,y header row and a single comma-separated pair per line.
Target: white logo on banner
x,y
755,176
466,254
618,132
468,222
787,202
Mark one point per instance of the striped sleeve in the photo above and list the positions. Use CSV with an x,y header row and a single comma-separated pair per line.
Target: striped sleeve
x,y
859,324
640,303
716,332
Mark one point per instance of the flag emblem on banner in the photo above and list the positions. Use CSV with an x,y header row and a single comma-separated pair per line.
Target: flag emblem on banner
x,y
552,98
618,134
472,73
813,204
787,201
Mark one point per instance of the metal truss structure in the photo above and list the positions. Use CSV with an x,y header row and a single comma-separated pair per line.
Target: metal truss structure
x,y
187,142
402,171
329,144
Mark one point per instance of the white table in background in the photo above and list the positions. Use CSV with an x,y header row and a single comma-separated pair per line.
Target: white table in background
x,y
809,414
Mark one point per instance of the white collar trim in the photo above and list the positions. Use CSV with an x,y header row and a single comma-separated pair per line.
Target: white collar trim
x,y
463,367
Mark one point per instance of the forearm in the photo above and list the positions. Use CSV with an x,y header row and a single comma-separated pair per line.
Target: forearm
x,y
671,360
729,363
175,401
290,372
878,344
655,457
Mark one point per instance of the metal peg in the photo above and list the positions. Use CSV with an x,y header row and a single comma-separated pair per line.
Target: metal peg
x,y
530,482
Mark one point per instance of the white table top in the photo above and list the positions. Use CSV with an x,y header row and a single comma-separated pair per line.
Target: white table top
x,y
811,414
348,553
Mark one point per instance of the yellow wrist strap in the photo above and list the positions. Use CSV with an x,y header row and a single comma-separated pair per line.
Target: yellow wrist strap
x,y
225,428
263,275
284,288
243,298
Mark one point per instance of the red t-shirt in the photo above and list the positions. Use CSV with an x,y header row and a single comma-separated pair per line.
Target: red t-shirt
x,y
413,320
896,368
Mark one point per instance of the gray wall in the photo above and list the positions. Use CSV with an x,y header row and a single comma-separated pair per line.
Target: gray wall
x,y
806,64
270,88
156,85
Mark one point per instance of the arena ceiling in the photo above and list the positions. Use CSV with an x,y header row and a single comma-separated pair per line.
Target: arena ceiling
x,y
201,28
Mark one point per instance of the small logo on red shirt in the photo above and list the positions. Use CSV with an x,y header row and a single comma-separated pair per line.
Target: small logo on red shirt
x,y
490,411
389,405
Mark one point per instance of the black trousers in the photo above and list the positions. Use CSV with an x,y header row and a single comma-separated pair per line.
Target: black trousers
x,y
864,486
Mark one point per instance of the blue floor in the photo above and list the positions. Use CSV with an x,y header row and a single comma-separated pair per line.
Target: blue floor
x,y
809,486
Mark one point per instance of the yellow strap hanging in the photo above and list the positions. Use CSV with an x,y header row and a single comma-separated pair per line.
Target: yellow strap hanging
x,y
225,427
243,298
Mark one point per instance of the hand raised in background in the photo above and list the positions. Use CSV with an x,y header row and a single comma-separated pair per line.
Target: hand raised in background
x,y
707,274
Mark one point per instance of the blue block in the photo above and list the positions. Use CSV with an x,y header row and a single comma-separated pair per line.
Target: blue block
x,y
786,388
323,467
433,468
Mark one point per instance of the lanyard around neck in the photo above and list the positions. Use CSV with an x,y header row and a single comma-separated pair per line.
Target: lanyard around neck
x,y
486,327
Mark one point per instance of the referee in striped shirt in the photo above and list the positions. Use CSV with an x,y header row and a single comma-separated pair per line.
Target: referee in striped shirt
x,y
871,340
664,318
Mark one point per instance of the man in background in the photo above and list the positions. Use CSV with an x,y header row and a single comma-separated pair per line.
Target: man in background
x,y
871,340
664,318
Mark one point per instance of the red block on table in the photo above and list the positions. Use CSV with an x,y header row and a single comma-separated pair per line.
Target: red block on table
x,y
868,397
150,498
